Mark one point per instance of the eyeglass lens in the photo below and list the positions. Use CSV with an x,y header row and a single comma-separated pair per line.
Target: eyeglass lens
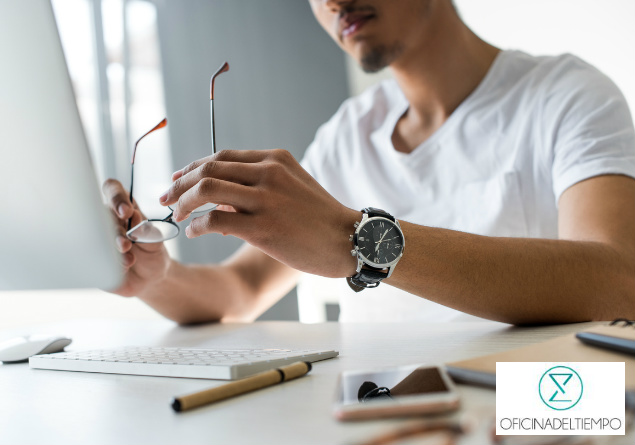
x,y
153,231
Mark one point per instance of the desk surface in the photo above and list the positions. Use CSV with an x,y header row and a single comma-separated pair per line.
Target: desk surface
x,y
38,406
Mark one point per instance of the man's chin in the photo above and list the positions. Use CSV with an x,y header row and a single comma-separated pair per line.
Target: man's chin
x,y
372,60
379,57
371,68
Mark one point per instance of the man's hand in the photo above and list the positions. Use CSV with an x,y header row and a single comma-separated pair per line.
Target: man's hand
x,y
144,264
279,208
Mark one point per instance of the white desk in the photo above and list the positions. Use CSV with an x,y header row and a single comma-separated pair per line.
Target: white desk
x,y
54,407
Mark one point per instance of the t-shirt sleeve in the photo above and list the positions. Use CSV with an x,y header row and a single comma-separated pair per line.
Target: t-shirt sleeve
x,y
318,158
312,160
594,132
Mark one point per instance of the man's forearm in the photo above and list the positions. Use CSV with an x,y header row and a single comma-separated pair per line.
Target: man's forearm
x,y
517,280
239,289
195,293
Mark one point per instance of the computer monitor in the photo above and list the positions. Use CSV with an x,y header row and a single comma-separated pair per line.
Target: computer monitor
x,y
55,231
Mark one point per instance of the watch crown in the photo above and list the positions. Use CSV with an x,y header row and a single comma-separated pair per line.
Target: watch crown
x,y
353,252
356,225
350,238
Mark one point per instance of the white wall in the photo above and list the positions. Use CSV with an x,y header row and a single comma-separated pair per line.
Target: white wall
x,y
600,32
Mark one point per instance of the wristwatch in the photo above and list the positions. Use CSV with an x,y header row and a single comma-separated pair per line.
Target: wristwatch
x,y
378,244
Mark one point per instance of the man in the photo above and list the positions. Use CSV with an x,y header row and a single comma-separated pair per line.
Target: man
x,y
510,175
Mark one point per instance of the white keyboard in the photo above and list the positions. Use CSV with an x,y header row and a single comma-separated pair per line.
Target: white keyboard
x,y
224,364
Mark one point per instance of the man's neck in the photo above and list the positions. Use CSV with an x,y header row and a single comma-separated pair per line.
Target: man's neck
x,y
437,77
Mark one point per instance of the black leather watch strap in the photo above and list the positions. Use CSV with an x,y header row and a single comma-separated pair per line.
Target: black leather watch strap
x,y
366,278
372,212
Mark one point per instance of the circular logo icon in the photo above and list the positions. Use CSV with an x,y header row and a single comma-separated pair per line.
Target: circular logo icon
x,y
560,388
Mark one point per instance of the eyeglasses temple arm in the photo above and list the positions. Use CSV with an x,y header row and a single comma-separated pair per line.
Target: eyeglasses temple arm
x,y
211,112
161,124
224,68
131,185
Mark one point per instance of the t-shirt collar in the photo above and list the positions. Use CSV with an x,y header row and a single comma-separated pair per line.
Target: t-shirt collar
x,y
383,135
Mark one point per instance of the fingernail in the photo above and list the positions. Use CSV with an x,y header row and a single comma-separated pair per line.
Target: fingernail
x,y
122,209
188,232
164,197
120,242
181,216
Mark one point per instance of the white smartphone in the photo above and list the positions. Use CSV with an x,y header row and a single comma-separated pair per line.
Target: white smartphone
x,y
394,392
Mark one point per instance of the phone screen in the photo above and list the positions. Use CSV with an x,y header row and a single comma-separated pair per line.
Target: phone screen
x,y
369,387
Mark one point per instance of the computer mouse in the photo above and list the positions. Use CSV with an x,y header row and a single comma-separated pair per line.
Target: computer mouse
x,y
21,348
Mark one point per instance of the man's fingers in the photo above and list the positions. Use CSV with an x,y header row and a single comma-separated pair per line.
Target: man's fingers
x,y
244,156
240,173
136,218
128,260
210,190
117,198
177,174
121,240
230,165
225,208
226,223
119,223
123,243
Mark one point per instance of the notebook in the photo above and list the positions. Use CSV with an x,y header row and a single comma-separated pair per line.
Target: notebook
x,y
482,370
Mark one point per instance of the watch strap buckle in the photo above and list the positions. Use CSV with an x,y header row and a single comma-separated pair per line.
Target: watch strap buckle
x,y
366,279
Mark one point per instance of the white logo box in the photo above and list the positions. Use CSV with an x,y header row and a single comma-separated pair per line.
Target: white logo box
x,y
560,398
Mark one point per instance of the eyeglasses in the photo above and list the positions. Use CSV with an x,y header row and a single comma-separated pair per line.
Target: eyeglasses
x,y
159,230
150,230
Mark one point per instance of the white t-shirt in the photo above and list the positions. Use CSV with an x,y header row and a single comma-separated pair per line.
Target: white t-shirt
x,y
533,127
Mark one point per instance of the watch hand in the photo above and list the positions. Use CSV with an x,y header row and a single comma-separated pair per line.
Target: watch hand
x,y
380,240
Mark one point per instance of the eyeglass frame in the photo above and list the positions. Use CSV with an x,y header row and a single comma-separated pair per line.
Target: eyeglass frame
x,y
168,219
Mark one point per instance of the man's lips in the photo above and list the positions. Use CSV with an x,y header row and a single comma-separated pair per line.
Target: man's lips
x,y
349,24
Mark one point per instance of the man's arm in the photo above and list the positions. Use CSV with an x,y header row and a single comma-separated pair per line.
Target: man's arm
x,y
588,274
239,289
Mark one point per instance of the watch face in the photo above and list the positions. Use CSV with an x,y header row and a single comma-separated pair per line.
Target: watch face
x,y
380,241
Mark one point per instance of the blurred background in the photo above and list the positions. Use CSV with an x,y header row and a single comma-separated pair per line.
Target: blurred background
x,y
134,62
